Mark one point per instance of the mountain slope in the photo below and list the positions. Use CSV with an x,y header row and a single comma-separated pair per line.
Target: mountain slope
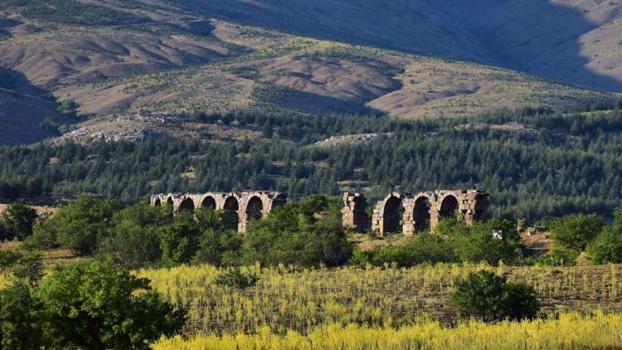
x,y
574,41
187,56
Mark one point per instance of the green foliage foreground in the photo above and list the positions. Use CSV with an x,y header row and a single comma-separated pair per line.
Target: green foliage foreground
x,y
491,298
85,306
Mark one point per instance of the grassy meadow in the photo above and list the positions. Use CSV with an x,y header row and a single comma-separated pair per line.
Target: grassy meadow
x,y
386,308
382,308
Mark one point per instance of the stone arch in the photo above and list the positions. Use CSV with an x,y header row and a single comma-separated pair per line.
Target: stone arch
x,y
231,208
231,203
209,202
393,211
448,207
421,213
279,200
254,208
187,204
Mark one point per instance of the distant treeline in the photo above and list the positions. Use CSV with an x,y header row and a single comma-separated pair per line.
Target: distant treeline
x,y
554,164
70,12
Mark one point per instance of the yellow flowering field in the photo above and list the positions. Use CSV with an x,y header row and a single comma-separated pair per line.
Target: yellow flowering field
x,y
286,299
569,331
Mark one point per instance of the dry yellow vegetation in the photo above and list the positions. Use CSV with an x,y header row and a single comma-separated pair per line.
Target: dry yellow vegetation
x,y
301,300
570,331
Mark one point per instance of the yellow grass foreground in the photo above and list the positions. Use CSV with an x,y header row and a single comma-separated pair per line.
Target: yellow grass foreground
x,y
570,331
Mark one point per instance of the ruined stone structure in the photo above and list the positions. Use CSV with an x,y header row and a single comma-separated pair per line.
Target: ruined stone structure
x,y
247,205
413,214
353,212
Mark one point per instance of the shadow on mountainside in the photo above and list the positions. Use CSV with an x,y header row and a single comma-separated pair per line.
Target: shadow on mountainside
x,y
536,37
532,36
23,107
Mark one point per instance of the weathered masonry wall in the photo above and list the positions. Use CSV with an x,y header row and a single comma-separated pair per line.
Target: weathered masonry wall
x,y
247,205
353,212
411,214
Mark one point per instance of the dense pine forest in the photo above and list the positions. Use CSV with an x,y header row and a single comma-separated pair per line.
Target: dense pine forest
x,y
534,163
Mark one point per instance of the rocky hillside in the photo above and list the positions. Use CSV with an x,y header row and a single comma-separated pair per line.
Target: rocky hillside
x,y
339,56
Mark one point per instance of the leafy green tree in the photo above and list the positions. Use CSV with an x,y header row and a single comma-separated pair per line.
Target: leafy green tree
x,y
180,240
576,231
291,235
95,306
20,327
29,268
607,247
491,298
490,241
134,238
79,225
218,247
19,220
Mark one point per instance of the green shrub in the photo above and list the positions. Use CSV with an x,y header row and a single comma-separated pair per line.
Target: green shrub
x,y
491,241
29,268
424,248
607,247
576,231
8,259
235,278
218,248
488,297
361,258
18,221
560,256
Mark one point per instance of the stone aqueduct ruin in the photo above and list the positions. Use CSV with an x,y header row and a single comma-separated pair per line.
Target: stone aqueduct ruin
x,y
413,214
398,211
247,205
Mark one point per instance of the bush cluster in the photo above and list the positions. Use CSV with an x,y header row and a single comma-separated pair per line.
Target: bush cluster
x,y
304,234
493,242
574,234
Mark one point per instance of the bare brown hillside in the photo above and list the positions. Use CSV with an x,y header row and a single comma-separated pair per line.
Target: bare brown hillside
x,y
574,41
151,55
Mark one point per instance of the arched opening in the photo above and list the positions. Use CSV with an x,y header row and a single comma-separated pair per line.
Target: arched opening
x,y
230,215
278,201
393,214
169,205
481,204
448,207
208,203
421,214
186,205
157,203
254,208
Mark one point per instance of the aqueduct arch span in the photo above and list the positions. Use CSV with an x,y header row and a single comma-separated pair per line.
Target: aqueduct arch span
x,y
414,213
246,205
